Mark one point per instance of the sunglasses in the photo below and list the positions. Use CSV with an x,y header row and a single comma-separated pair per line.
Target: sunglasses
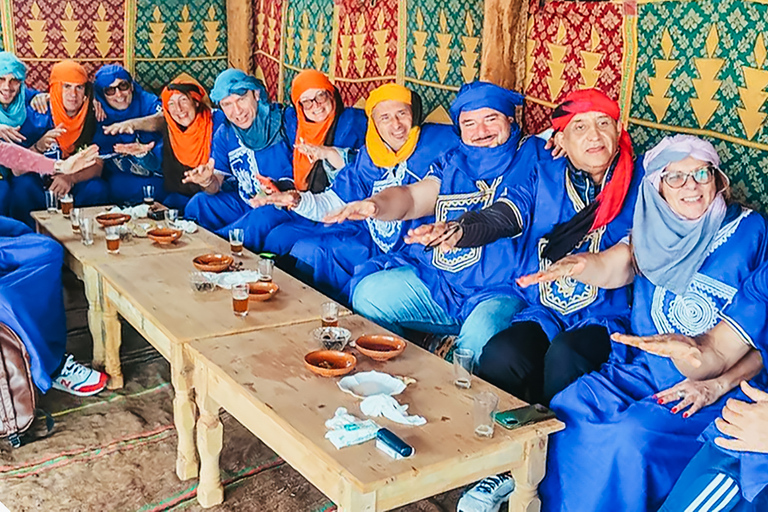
x,y
677,179
320,98
112,89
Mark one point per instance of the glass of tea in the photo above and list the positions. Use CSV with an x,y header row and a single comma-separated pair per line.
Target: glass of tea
x,y
113,239
329,314
67,201
266,267
240,299
74,219
236,241
149,194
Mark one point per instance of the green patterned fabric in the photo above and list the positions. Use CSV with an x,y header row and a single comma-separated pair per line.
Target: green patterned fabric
x,y
175,36
701,68
308,33
443,48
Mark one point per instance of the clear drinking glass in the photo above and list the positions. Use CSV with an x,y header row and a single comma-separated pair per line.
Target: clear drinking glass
x,y
51,201
236,237
67,201
266,267
149,194
463,359
329,314
74,219
113,239
240,299
86,230
171,216
485,406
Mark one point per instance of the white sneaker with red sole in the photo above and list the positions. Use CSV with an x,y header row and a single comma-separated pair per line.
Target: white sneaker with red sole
x,y
79,380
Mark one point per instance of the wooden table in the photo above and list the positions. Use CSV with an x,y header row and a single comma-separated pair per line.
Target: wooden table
x,y
259,378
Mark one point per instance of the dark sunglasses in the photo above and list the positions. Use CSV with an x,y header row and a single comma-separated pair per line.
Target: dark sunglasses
x,y
112,89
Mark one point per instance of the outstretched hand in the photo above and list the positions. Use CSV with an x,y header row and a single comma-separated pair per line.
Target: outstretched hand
x,y
692,395
444,235
357,210
745,423
672,345
134,148
201,175
288,199
80,160
570,266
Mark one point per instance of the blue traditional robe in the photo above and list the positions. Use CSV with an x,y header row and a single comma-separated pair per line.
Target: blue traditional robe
x,y
31,297
333,254
567,304
471,179
621,450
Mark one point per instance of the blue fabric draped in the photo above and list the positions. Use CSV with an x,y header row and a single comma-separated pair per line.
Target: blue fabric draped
x,y
477,95
618,439
16,112
143,102
31,297
267,127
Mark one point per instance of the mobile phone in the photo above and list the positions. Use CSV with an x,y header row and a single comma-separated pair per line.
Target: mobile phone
x,y
522,416
157,212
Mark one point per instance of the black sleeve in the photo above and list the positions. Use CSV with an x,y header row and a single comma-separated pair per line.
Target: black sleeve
x,y
500,220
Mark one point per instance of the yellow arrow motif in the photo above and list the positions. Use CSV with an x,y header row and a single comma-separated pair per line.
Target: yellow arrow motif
x,y
69,31
359,40
156,33
530,46
419,45
556,67
317,55
212,32
37,32
443,50
345,43
469,55
753,96
380,36
304,40
592,59
185,32
290,36
660,83
101,31
706,87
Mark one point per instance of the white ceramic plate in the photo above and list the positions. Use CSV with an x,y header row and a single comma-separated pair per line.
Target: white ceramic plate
x,y
366,384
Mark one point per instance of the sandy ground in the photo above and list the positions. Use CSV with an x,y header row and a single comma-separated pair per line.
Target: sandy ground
x,y
116,451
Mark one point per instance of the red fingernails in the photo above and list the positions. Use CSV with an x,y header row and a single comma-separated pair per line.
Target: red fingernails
x,y
655,397
660,401
685,415
674,410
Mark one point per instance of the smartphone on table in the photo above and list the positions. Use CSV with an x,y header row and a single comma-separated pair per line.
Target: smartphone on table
x,y
522,416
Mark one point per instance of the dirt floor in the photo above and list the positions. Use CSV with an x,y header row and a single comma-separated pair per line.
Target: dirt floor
x,y
116,451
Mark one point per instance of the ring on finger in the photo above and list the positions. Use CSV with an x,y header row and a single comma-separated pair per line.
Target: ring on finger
x,y
681,394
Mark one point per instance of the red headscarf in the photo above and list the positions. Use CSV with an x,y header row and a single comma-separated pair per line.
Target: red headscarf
x,y
191,145
308,131
67,71
612,196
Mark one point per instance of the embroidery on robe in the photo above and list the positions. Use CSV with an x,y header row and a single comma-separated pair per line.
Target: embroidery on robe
x,y
386,233
242,163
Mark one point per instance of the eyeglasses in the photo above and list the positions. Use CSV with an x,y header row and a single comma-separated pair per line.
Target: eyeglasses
x,y
677,179
112,89
320,98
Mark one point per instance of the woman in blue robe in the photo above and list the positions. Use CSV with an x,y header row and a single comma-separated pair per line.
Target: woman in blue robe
x,y
129,134
624,445
325,137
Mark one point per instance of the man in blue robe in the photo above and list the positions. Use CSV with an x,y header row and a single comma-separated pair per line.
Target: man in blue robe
x,y
32,305
460,292
329,254
130,134
250,153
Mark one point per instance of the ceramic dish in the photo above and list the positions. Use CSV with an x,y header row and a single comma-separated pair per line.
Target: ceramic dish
x,y
164,236
380,347
332,338
213,262
365,384
330,363
260,291
112,219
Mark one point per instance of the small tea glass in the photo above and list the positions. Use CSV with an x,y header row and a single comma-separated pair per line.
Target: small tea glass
x,y
113,239
171,216
486,404
86,230
74,219
266,268
149,194
66,202
236,237
329,314
240,299
463,360
51,201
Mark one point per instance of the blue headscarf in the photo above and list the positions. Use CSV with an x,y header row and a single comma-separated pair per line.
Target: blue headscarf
x,y
478,94
141,98
266,128
16,113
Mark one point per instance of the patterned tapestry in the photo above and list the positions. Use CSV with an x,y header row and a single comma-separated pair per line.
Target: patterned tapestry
x,y
156,39
356,44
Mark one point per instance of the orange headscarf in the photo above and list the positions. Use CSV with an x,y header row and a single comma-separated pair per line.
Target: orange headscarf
x,y
379,151
191,146
308,131
67,71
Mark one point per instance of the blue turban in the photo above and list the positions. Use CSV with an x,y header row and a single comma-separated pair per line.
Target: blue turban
x,y
267,127
141,104
16,113
478,95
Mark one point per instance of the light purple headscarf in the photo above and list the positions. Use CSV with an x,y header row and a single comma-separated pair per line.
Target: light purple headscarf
x,y
668,248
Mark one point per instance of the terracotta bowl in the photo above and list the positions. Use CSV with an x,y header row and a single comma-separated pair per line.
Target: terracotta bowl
x,y
164,236
213,262
260,291
112,219
380,347
330,363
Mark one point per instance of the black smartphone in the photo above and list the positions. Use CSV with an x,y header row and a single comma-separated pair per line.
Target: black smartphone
x,y
522,416
157,212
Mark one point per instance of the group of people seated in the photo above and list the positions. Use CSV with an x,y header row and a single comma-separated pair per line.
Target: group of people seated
x,y
628,292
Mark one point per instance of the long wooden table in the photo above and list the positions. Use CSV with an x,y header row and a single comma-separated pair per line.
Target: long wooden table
x,y
148,285
260,379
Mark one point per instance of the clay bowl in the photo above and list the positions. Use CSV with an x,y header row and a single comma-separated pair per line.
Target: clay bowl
x,y
112,219
213,262
380,347
164,236
330,363
260,291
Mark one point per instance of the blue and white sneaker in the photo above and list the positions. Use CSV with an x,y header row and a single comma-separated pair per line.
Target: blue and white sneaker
x,y
487,495
79,380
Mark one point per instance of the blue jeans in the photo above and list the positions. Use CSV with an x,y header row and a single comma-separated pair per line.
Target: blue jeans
x,y
397,299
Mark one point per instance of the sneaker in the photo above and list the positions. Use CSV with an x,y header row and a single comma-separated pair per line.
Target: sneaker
x,y
79,380
487,495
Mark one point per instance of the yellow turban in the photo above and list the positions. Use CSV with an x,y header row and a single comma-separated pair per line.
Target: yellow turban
x,y
379,151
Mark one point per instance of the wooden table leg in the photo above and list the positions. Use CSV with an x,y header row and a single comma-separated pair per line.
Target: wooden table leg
x,y
94,295
112,341
209,442
528,475
354,501
105,328
183,413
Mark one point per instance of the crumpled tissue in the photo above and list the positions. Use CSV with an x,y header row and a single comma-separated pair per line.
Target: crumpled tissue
x,y
345,429
136,212
387,406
